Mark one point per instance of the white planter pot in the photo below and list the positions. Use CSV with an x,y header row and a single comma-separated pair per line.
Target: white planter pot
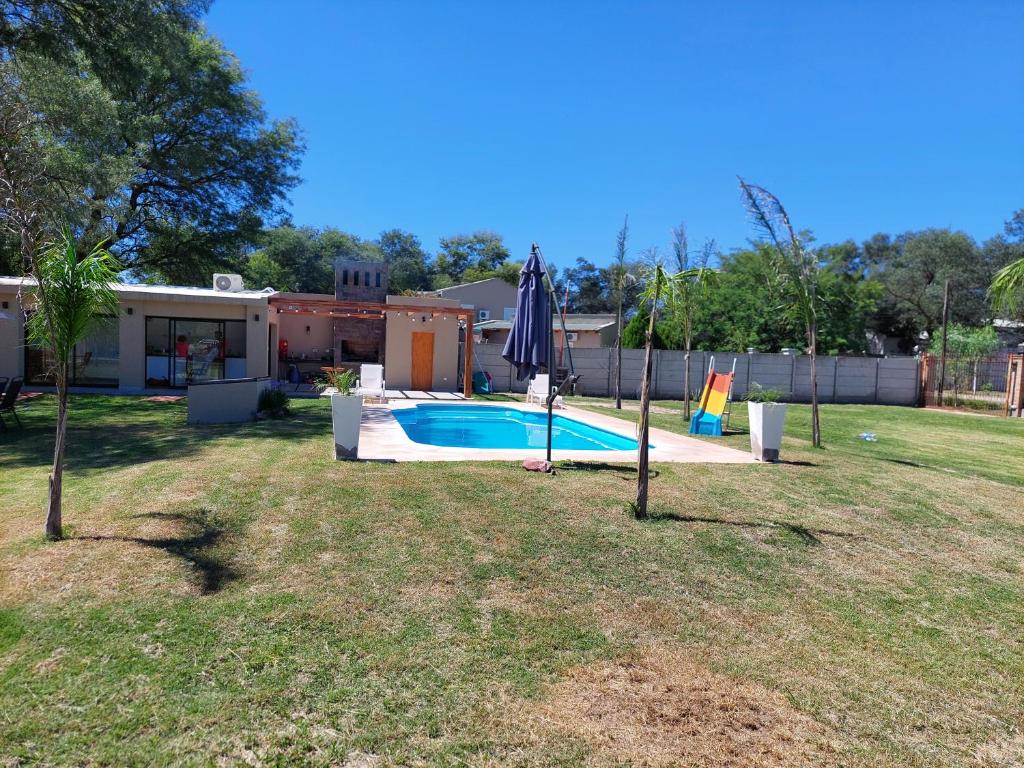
x,y
766,422
346,413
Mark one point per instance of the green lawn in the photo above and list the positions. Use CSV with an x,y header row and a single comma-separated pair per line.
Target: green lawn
x,y
233,595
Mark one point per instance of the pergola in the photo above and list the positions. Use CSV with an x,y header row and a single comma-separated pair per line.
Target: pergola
x,y
370,310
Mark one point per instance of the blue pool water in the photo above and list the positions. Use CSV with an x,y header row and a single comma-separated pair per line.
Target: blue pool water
x,y
490,426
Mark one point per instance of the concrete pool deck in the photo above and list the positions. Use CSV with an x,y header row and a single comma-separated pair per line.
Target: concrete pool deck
x,y
381,438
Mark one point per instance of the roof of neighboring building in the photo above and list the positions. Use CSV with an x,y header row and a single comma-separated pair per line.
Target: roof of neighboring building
x,y
170,292
572,323
466,285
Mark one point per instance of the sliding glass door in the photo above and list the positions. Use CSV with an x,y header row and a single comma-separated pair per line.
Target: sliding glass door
x,y
183,351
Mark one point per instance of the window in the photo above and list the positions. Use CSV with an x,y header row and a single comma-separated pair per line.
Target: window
x,y
183,351
344,277
366,281
95,361
378,280
355,277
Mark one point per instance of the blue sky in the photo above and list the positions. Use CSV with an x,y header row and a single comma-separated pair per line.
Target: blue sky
x,y
549,122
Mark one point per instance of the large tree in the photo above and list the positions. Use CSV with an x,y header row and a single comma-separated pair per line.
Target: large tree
x,y
156,146
408,263
912,270
302,258
481,254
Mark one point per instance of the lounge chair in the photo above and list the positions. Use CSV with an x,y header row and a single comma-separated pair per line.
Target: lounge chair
x,y
8,400
371,382
539,389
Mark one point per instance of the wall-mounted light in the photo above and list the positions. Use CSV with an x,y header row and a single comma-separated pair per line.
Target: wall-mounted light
x,y
256,317
128,311
307,330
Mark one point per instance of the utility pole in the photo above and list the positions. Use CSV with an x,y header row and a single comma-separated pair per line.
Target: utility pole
x,y
945,341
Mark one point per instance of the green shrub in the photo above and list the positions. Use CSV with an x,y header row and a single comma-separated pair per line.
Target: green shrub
x,y
273,402
758,394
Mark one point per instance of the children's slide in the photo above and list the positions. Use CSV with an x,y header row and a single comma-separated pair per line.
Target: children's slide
x,y
708,418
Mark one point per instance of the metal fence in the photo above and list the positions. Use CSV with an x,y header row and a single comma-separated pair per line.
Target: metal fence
x,y
977,383
889,380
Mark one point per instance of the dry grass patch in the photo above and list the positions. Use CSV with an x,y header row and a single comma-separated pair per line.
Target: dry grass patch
x,y
662,708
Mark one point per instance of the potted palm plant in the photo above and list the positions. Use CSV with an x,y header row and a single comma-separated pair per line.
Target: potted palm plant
x,y
767,417
346,410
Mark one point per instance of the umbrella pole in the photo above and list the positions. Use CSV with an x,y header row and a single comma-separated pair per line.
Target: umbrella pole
x,y
572,377
551,381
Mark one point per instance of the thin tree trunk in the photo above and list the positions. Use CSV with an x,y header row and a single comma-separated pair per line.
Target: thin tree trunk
x,y
686,387
54,528
815,423
642,478
618,358
945,339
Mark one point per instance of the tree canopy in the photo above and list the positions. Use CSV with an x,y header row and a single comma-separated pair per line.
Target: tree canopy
x,y
149,137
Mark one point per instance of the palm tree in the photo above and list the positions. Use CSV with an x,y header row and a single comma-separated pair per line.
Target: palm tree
x,y
1008,286
691,285
620,278
799,268
70,298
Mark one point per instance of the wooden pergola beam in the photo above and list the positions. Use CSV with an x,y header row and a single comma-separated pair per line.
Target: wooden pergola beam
x,y
343,305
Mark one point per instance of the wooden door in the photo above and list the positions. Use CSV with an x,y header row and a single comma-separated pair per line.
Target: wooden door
x,y
422,361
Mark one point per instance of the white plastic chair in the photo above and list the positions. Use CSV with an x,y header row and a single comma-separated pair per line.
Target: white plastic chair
x,y
538,389
371,381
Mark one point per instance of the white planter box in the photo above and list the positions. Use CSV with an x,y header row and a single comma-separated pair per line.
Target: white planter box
x,y
766,422
346,413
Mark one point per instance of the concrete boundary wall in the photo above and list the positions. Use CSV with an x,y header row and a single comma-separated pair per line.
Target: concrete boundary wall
x,y
883,380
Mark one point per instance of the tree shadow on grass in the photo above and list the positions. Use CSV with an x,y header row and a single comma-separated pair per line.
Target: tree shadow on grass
x,y
111,432
809,536
625,470
197,547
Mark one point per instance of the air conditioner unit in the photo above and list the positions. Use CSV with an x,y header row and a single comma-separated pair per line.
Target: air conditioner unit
x,y
483,314
228,283
571,336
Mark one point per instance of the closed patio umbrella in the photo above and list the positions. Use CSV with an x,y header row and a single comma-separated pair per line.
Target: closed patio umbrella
x,y
528,345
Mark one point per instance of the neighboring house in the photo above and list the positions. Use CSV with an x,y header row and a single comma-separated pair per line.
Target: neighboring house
x,y
492,299
171,336
582,331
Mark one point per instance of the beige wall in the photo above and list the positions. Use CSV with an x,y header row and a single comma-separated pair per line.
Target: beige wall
x,y
493,295
398,343
133,332
315,344
12,355
224,402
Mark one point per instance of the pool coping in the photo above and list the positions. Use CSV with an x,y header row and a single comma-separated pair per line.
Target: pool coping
x,y
382,438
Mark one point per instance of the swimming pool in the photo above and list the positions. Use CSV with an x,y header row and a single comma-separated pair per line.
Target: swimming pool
x,y
490,426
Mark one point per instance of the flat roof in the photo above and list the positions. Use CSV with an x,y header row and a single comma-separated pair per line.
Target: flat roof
x,y
172,292
438,291
572,323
